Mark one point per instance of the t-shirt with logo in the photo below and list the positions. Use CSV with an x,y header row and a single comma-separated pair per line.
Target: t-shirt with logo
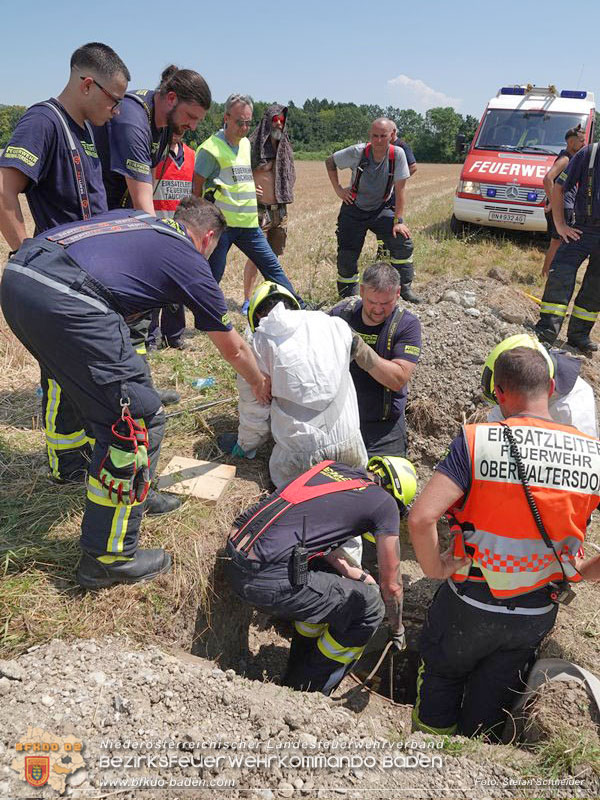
x,y
39,149
147,269
374,179
330,519
406,346
130,145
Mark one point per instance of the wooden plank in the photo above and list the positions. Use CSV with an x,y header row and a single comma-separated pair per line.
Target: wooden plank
x,y
203,479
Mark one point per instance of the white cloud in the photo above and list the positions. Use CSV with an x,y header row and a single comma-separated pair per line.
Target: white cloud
x,y
415,93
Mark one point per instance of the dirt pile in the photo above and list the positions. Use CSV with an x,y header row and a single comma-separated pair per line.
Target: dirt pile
x,y
461,322
152,725
557,702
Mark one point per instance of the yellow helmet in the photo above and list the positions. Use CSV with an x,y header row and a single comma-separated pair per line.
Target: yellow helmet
x,y
398,476
519,340
267,290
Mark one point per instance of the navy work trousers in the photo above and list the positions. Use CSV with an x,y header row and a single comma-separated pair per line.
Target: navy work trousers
x,y
474,665
352,226
385,437
68,322
334,617
561,284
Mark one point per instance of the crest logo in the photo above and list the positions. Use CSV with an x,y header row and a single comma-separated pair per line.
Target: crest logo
x,y
37,770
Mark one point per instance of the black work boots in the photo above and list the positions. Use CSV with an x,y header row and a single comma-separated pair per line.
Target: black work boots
x,y
144,566
407,294
584,345
160,503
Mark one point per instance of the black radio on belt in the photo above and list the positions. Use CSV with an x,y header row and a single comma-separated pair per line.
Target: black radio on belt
x,y
300,560
561,593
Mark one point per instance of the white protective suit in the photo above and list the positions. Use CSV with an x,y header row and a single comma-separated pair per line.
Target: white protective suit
x,y
577,408
313,415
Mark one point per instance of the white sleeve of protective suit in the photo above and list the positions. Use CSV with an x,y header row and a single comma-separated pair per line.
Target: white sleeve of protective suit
x,y
255,420
578,408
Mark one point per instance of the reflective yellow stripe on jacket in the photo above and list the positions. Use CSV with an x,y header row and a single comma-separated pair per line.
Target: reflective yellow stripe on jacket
x,y
234,191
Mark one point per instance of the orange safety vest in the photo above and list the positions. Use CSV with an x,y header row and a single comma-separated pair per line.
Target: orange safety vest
x,y
494,524
174,182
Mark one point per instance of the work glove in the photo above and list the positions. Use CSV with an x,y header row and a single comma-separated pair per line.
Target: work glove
x,y
398,637
125,469
363,355
229,444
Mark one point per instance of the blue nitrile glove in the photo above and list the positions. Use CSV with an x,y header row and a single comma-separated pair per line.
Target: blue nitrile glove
x,y
239,453
229,444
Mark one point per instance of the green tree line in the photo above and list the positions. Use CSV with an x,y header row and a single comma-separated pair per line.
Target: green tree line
x,y
321,126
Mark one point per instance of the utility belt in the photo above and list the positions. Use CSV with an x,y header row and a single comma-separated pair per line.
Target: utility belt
x,y
282,207
48,263
271,215
477,594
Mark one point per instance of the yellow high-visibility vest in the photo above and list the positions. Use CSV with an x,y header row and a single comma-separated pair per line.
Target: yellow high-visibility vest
x,y
234,190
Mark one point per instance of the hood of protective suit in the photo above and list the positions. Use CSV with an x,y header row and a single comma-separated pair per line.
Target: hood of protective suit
x,y
306,353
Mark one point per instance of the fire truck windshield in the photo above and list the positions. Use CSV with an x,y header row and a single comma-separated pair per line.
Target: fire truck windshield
x,y
526,131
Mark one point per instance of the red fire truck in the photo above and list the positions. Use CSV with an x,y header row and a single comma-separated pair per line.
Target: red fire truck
x,y
520,134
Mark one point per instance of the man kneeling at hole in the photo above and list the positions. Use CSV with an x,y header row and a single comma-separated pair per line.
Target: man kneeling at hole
x,y
282,549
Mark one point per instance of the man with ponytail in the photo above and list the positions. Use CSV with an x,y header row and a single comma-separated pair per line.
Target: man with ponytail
x,y
138,139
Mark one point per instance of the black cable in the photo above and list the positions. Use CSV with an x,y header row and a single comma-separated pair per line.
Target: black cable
x,y
514,451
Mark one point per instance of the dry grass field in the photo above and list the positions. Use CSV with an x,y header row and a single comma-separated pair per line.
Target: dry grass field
x,y
39,520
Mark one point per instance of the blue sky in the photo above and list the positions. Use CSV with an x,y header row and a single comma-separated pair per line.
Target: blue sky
x,y
410,55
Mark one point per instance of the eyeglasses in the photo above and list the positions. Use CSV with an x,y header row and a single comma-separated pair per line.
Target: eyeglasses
x,y
116,100
243,123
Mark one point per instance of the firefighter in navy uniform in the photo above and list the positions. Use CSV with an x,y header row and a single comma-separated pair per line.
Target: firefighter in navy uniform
x,y
66,295
51,158
519,495
580,241
274,551
378,168
385,349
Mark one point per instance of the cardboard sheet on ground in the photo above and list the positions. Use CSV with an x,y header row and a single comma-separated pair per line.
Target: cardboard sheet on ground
x,y
203,479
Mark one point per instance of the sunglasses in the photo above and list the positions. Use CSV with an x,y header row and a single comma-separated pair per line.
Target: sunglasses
x,y
116,100
279,118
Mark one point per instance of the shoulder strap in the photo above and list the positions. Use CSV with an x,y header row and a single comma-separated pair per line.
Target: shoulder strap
x,y
163,156
138,221
590,181
391,170
142,102
295,492
383,347
298,492
80,181
362,165
347,308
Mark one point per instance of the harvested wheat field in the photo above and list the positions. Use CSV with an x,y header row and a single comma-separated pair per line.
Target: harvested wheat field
x,y
128,663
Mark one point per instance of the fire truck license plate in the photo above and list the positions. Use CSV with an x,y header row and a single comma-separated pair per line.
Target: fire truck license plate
x,y
504,216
